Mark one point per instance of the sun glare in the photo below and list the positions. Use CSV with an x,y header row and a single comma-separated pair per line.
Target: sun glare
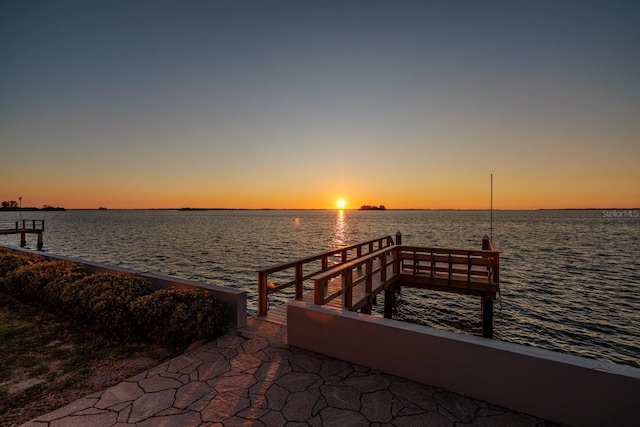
x,y
341,203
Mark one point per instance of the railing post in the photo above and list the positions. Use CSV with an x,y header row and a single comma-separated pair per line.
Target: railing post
x,y
383,267
325,263
299,281
262,293
23,239
40,241
369,280
348,295
398,238
318,286
486,243
396,261
344,256
496,267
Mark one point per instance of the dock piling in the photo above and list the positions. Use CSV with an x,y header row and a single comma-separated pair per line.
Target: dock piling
x,y
487,317
389,302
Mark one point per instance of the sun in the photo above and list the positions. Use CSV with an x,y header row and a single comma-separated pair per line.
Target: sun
x,y
341,203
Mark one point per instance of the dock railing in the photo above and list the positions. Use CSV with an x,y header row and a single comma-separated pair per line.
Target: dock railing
x,y
25,224
295,274
371,269
471,271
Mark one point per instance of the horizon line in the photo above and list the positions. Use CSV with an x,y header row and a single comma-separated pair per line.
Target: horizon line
x,y
187,209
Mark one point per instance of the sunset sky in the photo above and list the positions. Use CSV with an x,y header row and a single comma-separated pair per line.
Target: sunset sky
x,y
297,104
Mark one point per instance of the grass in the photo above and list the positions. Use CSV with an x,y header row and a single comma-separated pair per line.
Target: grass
x,y
47,362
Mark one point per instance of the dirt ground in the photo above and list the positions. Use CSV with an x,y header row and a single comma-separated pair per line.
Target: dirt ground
x,y
47,362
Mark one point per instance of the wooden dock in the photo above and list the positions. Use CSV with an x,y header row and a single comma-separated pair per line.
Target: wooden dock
x,y
24,227
380,265
279,314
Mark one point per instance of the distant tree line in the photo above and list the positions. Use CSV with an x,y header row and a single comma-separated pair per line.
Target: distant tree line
x,y
372,208
12,205
9,204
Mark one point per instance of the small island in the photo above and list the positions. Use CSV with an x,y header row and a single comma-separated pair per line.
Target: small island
x,y
372,208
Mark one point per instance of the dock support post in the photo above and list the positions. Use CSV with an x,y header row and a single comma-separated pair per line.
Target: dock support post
x,y
398,238
262,293
366,309
487,317
23,239
389,302
40,241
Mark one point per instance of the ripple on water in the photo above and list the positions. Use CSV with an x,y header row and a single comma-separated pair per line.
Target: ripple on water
x,y
570,279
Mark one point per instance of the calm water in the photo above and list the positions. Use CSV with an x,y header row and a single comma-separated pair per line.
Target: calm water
x,y
570,280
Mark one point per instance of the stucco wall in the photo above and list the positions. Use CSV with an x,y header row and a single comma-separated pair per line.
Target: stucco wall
x,y
558,387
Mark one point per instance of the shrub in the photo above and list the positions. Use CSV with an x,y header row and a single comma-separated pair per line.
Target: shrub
x,y
104,299
177,317
12,260
123,306
40,281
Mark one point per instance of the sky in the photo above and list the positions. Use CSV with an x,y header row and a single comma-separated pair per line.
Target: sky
x,y
297,104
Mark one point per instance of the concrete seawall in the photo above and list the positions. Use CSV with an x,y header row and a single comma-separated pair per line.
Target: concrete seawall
x,y
236,300
558,387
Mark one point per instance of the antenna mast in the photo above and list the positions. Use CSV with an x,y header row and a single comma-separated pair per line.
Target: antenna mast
x,y
491,215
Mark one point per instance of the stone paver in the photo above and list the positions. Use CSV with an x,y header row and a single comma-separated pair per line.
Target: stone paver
x,y
252,377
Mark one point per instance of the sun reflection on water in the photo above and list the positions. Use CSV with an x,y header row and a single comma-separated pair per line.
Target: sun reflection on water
x,y
340,230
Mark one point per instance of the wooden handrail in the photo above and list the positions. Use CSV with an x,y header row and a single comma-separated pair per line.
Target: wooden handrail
x,y
473,264
24,224
322,279
265,288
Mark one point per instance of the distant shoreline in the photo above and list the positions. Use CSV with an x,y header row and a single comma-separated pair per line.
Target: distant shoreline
x,y
29,209
32,209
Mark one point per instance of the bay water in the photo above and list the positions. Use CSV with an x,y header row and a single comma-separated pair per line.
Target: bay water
x,y
570,280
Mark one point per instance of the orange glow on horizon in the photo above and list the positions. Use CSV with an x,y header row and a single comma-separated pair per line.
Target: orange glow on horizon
x,y
514,193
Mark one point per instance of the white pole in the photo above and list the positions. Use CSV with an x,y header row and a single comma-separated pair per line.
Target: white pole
x,y
491,220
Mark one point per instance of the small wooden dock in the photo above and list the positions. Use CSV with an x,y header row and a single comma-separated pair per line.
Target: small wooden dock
x,y
24,227
367,269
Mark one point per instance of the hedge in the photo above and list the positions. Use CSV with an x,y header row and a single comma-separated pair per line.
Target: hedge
x,y
178,317
123,306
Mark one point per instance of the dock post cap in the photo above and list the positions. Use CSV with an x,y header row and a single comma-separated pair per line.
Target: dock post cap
x,y
485,237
